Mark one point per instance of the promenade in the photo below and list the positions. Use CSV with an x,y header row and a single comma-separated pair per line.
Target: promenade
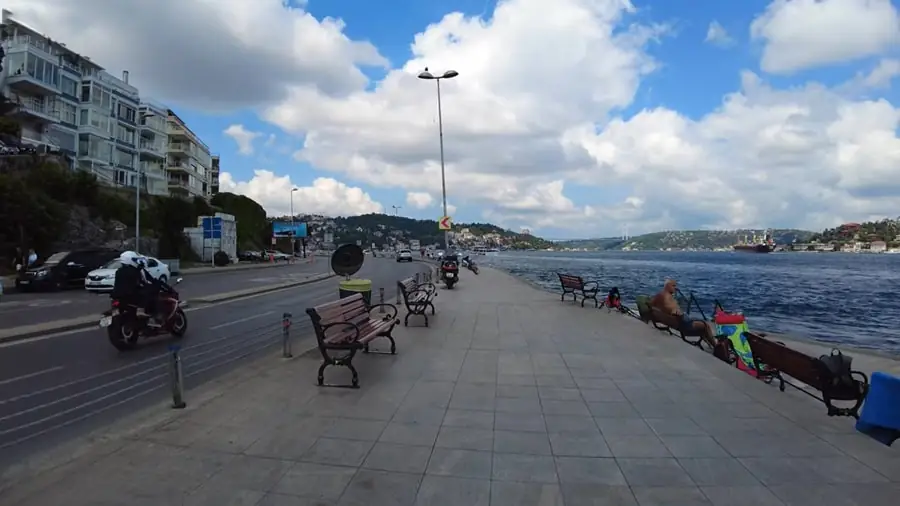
x,y
510,397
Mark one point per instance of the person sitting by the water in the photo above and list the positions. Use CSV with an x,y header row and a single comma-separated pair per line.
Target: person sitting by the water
x,y
665,302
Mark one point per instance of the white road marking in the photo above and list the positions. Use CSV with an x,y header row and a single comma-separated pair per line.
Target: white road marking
x,y
30,375
241,320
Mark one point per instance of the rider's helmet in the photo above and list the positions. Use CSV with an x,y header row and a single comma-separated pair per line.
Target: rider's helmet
x,y
130,258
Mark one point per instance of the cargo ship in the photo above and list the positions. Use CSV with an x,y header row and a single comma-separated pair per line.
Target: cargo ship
x,y
766,245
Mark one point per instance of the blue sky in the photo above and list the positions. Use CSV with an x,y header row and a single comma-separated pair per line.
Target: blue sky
x,y
574,118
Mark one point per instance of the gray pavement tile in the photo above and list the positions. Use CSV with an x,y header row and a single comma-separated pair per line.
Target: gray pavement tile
x,y
518,405
574,408
600,383
517,391
718,472
416,434
528,422
555,380
623,426
559,394
610,394
460,463
281,444
399,458
250,473
569,423
229,439
339,452
349,428
675,426
646,446
613,410
469,419
670,496
694,447
316,481
654,473
784,471
720,495
422,415
465,438
505,493
524,468
579,444
453,491
516,379
218,496
590,494
532,443
381,488
598,471
273,499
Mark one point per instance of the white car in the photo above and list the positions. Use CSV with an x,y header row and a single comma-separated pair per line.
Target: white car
x,y
404,255
103,279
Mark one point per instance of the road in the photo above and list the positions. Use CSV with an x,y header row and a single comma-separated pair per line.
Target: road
x,y
53,388
18,309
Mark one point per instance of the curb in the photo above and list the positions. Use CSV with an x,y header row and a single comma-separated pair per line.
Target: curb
x,y
199,271
85,322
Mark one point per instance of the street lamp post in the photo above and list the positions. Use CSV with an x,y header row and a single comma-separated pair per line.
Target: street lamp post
x,y
293,238
450,74
137,186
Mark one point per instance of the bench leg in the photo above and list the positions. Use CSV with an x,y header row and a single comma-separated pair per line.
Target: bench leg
x,y
432,308
415,313
346,361
376,352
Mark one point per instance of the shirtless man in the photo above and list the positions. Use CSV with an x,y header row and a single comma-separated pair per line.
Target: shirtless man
x,y
665,302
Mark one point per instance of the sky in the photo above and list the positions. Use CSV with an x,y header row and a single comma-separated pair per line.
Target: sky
x,y
572,118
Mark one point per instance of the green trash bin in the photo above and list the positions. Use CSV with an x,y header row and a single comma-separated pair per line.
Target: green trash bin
x,y
350,287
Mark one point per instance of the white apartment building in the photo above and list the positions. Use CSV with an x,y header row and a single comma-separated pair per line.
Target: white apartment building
x,y
214,176
154,140
188,161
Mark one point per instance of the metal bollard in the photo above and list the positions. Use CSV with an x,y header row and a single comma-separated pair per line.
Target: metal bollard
x,y
177,377
286,335
381,300
417,279
398,294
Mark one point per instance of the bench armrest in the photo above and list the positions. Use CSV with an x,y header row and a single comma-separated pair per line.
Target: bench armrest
x,y
349,324
428,293
863,378
388,306
592,285
428,287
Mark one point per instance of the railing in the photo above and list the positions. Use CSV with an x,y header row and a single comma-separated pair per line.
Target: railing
x,y
37,106
151,146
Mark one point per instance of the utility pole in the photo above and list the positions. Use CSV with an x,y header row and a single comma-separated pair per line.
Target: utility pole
x,y
397,210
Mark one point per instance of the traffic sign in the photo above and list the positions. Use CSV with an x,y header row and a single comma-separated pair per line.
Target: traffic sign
x,y
445,223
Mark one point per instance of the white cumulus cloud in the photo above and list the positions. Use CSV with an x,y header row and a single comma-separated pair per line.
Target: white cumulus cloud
x,y
419,200
717,35
802,34
243,137
326,195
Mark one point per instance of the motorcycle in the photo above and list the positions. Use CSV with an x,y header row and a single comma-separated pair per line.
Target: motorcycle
x,y
469,264
449,273
125,326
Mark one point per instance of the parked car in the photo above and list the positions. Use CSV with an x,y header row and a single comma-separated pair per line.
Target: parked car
x,y
103,279
65,269
404,255
250,256
277,255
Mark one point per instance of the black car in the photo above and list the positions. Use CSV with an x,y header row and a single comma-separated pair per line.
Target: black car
x,y
64,269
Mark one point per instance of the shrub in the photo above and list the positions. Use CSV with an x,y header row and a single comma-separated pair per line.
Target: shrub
x,y
220,259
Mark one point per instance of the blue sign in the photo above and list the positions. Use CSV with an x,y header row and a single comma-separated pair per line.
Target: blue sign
x,y
212,227
285,229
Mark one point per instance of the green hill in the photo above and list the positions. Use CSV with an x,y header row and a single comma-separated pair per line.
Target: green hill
x,y
685,239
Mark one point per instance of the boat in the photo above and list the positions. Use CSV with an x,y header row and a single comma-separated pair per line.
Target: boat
x,y
483,250
757,246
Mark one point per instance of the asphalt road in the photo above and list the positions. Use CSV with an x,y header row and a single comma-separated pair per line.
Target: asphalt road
x,y
56,387
18,309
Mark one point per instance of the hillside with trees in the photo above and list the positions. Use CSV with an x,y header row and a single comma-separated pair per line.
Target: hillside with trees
x,y
686,240
887,230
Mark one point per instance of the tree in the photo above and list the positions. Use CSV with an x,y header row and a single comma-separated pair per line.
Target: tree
x,y
253,228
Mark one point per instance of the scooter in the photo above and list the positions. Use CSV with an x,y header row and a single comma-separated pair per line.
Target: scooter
x,y
469,264
125,324
449,273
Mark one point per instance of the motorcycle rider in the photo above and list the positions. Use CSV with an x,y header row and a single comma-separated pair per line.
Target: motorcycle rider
x,y
135,286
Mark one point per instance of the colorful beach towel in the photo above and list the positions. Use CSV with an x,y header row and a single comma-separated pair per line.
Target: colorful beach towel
x,y
732,326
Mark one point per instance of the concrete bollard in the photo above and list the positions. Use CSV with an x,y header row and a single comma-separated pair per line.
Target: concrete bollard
x,y
176,376
286,335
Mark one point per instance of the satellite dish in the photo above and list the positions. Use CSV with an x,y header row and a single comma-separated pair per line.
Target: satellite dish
x,y
347,260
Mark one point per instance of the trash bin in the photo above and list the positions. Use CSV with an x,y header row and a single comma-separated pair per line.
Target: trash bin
x,y
350,287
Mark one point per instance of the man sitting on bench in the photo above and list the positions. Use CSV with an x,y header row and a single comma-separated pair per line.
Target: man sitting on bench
x,y
665,302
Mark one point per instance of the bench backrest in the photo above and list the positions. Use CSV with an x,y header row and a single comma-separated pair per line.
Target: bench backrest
x,y
643,305
787,360
407,286
570,281
351,309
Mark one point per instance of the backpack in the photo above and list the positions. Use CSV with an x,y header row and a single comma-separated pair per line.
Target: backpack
x,y
837,365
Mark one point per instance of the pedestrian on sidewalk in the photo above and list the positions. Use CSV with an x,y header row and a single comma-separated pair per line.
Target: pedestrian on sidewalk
x,y
32,258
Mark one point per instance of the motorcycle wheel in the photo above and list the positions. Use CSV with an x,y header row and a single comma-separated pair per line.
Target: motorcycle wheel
x,y
179,324
122,336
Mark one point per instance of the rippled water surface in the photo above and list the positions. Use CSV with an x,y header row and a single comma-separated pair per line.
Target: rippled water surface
x,y
829,297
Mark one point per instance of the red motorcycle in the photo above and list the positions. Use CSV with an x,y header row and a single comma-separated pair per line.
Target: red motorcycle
x,y
125,324
449,273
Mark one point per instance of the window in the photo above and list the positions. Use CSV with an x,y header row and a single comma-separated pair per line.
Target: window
x,y
67,112
127,113
16,63
84,117
30,64
151,262
96,94
125,135
69,86
124,158
86,93
106,100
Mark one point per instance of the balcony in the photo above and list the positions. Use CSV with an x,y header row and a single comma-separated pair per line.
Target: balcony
x,y
35,109
152,148
153,170
183,148
179,167
24,81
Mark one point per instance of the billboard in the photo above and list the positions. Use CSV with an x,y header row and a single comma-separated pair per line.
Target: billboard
x,y
284,229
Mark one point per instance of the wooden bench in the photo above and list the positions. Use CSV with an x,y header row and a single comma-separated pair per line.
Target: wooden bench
x,y
774,360
417,297
576,285
345,326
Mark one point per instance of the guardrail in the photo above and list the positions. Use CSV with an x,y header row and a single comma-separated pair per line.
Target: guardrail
x,y
63,402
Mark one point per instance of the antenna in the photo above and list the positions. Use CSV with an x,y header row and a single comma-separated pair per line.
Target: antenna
x,y
397,210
